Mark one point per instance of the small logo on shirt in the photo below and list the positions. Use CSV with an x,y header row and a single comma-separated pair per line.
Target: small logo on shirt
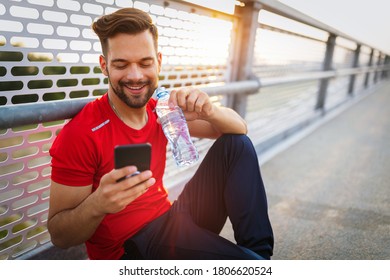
x,y
100,125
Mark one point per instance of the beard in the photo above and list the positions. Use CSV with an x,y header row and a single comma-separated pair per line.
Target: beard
x,y
133,101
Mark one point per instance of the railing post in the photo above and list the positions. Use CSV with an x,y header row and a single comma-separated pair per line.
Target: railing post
x,y
386,63
376,75
244,49
327,65
367,79
355,64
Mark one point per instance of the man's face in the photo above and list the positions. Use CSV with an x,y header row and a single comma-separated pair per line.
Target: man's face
x,y
132,66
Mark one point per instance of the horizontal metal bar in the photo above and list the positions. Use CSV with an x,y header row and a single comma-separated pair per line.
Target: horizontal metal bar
x,y
193,8
311,76
24,114
18,115
240,87
362,70
277,29
288,12
305,77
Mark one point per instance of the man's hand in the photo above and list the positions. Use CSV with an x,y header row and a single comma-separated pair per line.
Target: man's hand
x,y
195,103
204,119
112,196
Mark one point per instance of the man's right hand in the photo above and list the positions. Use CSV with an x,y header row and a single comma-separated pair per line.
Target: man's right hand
x,y
112,196
71,207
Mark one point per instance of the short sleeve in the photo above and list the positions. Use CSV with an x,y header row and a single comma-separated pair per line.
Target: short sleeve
x,y
73,157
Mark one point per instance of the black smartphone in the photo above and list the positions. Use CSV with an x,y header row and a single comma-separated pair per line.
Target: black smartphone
x,y
133,154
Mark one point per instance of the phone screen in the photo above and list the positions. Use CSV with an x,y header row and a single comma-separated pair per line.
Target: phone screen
x,y
133,154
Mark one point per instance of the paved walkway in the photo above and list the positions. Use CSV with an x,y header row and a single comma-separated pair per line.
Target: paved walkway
x,y
329,194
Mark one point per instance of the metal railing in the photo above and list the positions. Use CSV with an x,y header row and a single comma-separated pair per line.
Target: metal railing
x,y
52,76
14,116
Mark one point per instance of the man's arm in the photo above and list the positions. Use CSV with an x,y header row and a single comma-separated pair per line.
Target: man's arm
x,y
75,212
206,120
72,216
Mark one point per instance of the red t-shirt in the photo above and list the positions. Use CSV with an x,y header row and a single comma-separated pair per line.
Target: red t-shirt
x,y
84,151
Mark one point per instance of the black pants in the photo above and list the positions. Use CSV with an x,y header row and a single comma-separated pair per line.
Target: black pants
x,y
227,183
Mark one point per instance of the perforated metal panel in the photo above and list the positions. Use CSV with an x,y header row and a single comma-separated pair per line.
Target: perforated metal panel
x,y
277,108
48,52
284,47
279,52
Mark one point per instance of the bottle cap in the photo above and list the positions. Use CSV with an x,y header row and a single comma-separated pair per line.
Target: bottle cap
x,y
161,91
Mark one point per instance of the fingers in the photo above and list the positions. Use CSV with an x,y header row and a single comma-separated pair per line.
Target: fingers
x,y
144,179
136,185
131,178
117,175
113,196
195,102
124,173
128,178
191,100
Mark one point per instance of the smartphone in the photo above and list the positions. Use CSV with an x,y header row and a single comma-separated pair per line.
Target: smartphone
x,y
138,155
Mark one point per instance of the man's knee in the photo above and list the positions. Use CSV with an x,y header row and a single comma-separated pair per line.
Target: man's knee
x,y
237,141
234,139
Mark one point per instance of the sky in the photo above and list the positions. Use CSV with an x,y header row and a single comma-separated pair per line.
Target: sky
x,y
366,20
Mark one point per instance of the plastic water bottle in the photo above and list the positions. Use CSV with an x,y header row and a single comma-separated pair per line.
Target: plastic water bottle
x,y
175,129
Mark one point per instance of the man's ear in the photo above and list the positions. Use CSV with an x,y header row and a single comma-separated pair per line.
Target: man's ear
x,y
159,60
103,65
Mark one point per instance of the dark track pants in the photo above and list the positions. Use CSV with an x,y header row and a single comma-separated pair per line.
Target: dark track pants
x,y
227,183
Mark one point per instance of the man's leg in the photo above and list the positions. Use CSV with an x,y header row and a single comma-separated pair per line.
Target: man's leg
x,y
228,183
176,236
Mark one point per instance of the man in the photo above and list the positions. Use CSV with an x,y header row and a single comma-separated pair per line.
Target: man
x,y
133,218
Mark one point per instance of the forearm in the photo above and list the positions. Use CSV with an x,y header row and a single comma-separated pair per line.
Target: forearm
x,y
205,119
221,121
76,212
72,227
226,120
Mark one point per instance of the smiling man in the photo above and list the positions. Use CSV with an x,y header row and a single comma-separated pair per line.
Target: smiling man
x,y
133,218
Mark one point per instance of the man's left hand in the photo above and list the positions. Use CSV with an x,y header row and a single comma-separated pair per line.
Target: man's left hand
x,y
195,103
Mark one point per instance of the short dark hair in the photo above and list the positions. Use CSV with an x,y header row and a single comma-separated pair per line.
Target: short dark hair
x,y
126,20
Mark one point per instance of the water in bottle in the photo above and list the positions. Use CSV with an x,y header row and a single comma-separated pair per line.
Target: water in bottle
x,y
175,129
